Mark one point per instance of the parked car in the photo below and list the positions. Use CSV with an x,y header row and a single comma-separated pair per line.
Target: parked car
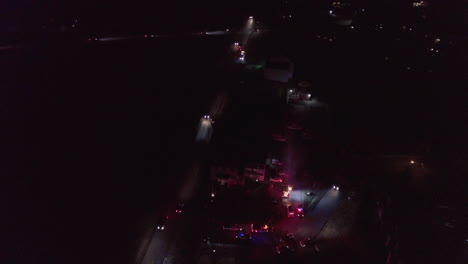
x,y
279,137
284,250
277,179
290,241
308,242
243,236
291,212
206,238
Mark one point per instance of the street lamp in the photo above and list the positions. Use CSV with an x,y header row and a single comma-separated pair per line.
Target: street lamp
x,y
412,161
287,95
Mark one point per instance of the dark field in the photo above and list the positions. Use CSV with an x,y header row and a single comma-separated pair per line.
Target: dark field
x,y
96,135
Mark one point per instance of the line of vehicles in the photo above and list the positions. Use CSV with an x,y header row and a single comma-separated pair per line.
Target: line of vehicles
x,y
282,244
162,221
285,245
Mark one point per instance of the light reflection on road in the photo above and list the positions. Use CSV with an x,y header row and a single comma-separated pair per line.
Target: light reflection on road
x,y
204,131
314,220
